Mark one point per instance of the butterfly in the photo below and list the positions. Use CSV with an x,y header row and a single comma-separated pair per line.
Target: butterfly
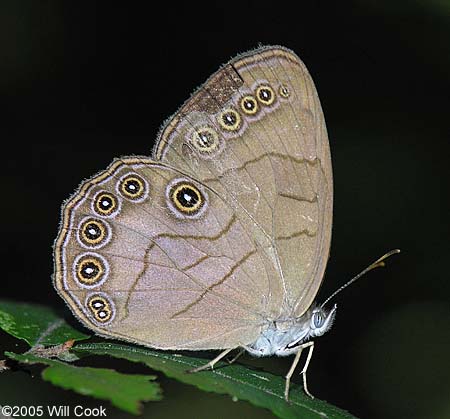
x,y
220,239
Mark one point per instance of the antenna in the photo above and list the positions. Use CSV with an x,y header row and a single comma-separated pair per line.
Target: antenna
x,y
377,264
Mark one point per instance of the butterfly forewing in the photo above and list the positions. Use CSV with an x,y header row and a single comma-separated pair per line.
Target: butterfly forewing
x,y
273,167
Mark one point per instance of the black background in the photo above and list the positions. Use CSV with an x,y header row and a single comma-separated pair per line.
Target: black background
x,y
84,82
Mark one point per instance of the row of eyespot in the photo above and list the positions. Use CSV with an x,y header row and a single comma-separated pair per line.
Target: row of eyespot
x,y
183,194
90,269
206,140
94,233
186,200
230,119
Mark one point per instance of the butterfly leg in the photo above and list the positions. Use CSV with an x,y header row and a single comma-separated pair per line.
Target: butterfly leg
x,y
309,345
211,363
291,372
305,367
241,351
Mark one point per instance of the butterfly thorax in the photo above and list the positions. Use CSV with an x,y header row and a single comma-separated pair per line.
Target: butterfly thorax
x,y
283,336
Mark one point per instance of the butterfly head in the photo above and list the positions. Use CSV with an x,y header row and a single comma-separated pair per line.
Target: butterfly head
x,y
284,336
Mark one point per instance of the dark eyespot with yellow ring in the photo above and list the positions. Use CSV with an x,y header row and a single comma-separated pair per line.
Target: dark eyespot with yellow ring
x,y
132,187
105,204
90,270
100,308
205,140
230,120
284,91
187,198
93,232
249,105
265,94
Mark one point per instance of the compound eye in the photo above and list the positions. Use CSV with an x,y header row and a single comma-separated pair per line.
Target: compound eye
x,y
318,319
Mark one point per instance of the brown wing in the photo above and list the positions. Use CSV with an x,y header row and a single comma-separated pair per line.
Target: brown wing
x,y
255,134
147,254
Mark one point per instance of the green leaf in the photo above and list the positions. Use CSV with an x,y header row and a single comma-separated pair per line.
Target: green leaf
x,y
260,388
36,324
125,391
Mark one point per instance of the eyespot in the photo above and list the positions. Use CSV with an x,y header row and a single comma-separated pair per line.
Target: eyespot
x,y
205,140
284,91
100,307
249,105
93,233
90,270
105,204
265,94
230,120
185,199
133,187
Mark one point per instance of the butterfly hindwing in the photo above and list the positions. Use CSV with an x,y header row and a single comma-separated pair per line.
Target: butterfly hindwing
x,y
148,254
